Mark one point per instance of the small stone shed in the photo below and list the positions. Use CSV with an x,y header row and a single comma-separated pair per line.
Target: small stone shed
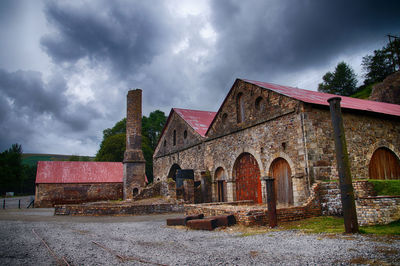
x,y
77,182
268,130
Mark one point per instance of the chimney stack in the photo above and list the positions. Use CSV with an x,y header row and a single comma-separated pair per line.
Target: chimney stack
x,y
134,162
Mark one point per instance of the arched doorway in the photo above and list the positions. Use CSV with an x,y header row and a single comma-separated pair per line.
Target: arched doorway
x,y
219,177
247,176
172,171
384,164
280,171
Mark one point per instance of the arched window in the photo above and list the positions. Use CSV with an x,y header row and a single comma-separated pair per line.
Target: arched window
x,y
224,118
174,140
165,143
240,108
185,134
259,104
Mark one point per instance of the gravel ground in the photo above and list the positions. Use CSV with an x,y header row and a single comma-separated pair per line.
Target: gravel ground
x,y
145,240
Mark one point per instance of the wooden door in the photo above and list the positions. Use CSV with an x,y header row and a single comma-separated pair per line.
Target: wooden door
x,y
247,176
384,164
280,170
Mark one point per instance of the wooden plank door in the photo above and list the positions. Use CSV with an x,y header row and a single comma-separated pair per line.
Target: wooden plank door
x,y
384,164
283,181
247,175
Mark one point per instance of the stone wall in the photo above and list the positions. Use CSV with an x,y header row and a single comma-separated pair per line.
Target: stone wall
x,y
278,127
331,203
48,195
364,132
98,209
378,210
249,214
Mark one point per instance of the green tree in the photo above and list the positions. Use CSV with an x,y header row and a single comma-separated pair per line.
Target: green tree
x,y
380,65
11,170
113,145
342,81
112,148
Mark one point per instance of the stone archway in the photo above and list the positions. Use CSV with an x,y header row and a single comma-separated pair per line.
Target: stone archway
x,y
221,188
172,171
281,172
247,176
384,164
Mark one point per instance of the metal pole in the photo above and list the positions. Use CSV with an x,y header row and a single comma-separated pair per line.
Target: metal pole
x,y
19,204
343,167
271,200
4,203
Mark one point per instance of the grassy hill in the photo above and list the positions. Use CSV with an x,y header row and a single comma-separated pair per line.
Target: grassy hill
x,y
31,159
364,92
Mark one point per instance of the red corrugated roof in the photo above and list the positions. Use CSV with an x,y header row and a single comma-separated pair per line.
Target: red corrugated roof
x,y
321,98
79,172
198,120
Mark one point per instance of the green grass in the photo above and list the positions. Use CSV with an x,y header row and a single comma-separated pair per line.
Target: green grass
x,y
32,160
321,224
386,187
388,229
329,224
364,93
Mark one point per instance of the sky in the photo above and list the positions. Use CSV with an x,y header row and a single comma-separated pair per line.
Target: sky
x,y
66,66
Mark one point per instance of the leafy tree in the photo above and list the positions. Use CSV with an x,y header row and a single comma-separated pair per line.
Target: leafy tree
x,y
113,145
379,65
342,81
112,148
14,176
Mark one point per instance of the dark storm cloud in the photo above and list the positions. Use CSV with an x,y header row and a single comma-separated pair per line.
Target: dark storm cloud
x,y
27,102
275,37
127,34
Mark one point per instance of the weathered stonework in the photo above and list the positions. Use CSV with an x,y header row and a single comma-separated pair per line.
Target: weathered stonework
x,y
247,213
378,210
134,163
269,126
48,195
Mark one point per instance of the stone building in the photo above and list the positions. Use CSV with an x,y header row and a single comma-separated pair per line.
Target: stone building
x,y
267,130
77,182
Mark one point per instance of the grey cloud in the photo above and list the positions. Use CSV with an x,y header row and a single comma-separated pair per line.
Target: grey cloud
x,y
126,33
30,97
270,37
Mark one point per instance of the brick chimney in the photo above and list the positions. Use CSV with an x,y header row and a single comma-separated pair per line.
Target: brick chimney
x,y
134,163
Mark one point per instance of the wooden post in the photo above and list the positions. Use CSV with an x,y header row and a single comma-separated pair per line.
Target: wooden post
x,y
343,166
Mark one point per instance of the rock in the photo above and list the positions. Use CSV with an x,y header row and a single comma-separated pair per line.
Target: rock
x,y
387,91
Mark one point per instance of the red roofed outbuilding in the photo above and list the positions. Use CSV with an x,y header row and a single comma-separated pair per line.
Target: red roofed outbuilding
x,y
62,182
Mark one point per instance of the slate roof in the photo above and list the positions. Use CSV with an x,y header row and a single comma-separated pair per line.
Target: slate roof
x,y
198,120
321,98
79,172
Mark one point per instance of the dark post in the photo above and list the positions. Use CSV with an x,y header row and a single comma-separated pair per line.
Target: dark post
x,y
343,167
4,203
271,200
19,204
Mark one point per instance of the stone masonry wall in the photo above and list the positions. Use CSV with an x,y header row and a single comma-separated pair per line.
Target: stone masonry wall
x,y
280,137
248,214
187,153
48,195
330,195
364,134
378,210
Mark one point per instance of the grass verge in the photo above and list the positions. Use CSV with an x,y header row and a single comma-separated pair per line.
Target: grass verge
x,y
386,187
329,224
